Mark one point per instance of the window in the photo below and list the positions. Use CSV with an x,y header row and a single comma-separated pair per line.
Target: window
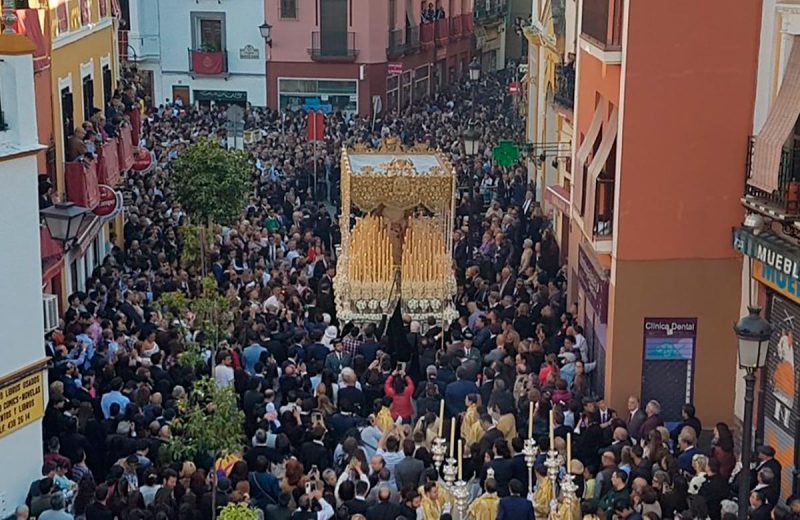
x,y
62,13
288,8
108,87
208,31
88,97
68,124
86,12
103,8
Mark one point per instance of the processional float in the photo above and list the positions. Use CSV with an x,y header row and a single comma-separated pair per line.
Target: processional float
x,y
400,244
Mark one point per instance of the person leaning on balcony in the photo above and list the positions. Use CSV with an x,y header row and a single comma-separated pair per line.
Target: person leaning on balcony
x,y
76,147
428,13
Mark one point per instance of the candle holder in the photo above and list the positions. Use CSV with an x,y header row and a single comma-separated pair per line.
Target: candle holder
x,y
569,493
450,470
439,449
460,492
530,451
553,462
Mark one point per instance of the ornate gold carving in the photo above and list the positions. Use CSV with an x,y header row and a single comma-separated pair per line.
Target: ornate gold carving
x,y
391,144
369,192
360,148
398,167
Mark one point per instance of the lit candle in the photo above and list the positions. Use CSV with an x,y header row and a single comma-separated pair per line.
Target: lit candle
x,y
530,421
441,417
569,451
552,431
452,436
460,451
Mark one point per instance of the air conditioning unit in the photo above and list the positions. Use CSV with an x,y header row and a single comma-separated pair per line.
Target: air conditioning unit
x,y
50,308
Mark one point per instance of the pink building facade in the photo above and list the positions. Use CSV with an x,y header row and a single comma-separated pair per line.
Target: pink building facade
x,y
341,55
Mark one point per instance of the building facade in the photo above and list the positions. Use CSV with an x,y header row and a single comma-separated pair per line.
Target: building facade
x,y
655,189
200,51
22,383
492,21
550,92
344,55
771,248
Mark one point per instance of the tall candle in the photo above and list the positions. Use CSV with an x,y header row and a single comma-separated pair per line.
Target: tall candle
x,y
452,436
569,450
552,431
530,421
441,417
460,451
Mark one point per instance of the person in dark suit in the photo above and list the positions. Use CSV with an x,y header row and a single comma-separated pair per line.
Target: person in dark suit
x,y
620,441
689,419
759,509
349,393
502,465
409,473
358,505
338,359
343,421
514,506
715,489
457,391
766,459
490,434
460,251
653,421
635,418
384,509
519,468
314,452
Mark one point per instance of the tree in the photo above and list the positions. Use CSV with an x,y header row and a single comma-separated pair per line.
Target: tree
x,y
211,182
240,511
209,422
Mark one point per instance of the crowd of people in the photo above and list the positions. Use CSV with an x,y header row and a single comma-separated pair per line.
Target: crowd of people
x,y
334,426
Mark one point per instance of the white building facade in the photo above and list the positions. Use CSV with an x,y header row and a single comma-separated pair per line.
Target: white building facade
x,y
23,374
202,51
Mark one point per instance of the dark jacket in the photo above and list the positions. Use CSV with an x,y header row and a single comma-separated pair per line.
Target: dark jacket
x,y
503,473
715,489
456,393
312,454
409,473
513,507
383,511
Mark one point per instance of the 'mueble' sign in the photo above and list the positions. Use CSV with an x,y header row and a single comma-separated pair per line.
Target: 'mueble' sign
x,y
769,249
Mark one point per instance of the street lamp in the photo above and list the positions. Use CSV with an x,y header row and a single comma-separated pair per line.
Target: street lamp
x,y
753,333
474,70
471,141
63,221
266,33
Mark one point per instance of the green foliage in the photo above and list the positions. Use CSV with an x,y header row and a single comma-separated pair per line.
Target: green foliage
x,y
213,312
209,421
191,254
240,511
211,182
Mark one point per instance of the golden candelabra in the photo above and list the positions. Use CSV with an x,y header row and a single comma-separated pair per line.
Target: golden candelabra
x,y
373,260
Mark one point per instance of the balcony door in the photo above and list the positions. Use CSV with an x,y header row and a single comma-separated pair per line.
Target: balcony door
x,y
67,118
333,27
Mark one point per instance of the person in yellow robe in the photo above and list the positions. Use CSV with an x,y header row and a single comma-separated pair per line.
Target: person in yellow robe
x,y
431,506
442,495
543,494
485,506
471,430
383,419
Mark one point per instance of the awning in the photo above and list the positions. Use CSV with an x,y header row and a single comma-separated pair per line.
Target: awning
x,y
780,121
596,166
28,24
585,148
558,197
90,227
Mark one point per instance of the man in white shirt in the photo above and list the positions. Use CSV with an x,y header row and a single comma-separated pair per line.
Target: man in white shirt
x,y
223,372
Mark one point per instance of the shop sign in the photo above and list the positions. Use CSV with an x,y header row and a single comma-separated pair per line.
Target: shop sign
x,y
769,249
669,339
111,202
21,403
248,52
777,281
594,284
394,69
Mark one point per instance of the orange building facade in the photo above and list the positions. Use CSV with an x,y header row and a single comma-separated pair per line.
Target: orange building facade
x,y
663,104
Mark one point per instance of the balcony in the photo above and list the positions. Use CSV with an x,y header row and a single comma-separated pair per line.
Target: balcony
x,y
565,85
333,46
426,32
603,223
81,180
784,202
108,163
441,30
208,63
412,39
490,11
602,24
397,43
456,27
